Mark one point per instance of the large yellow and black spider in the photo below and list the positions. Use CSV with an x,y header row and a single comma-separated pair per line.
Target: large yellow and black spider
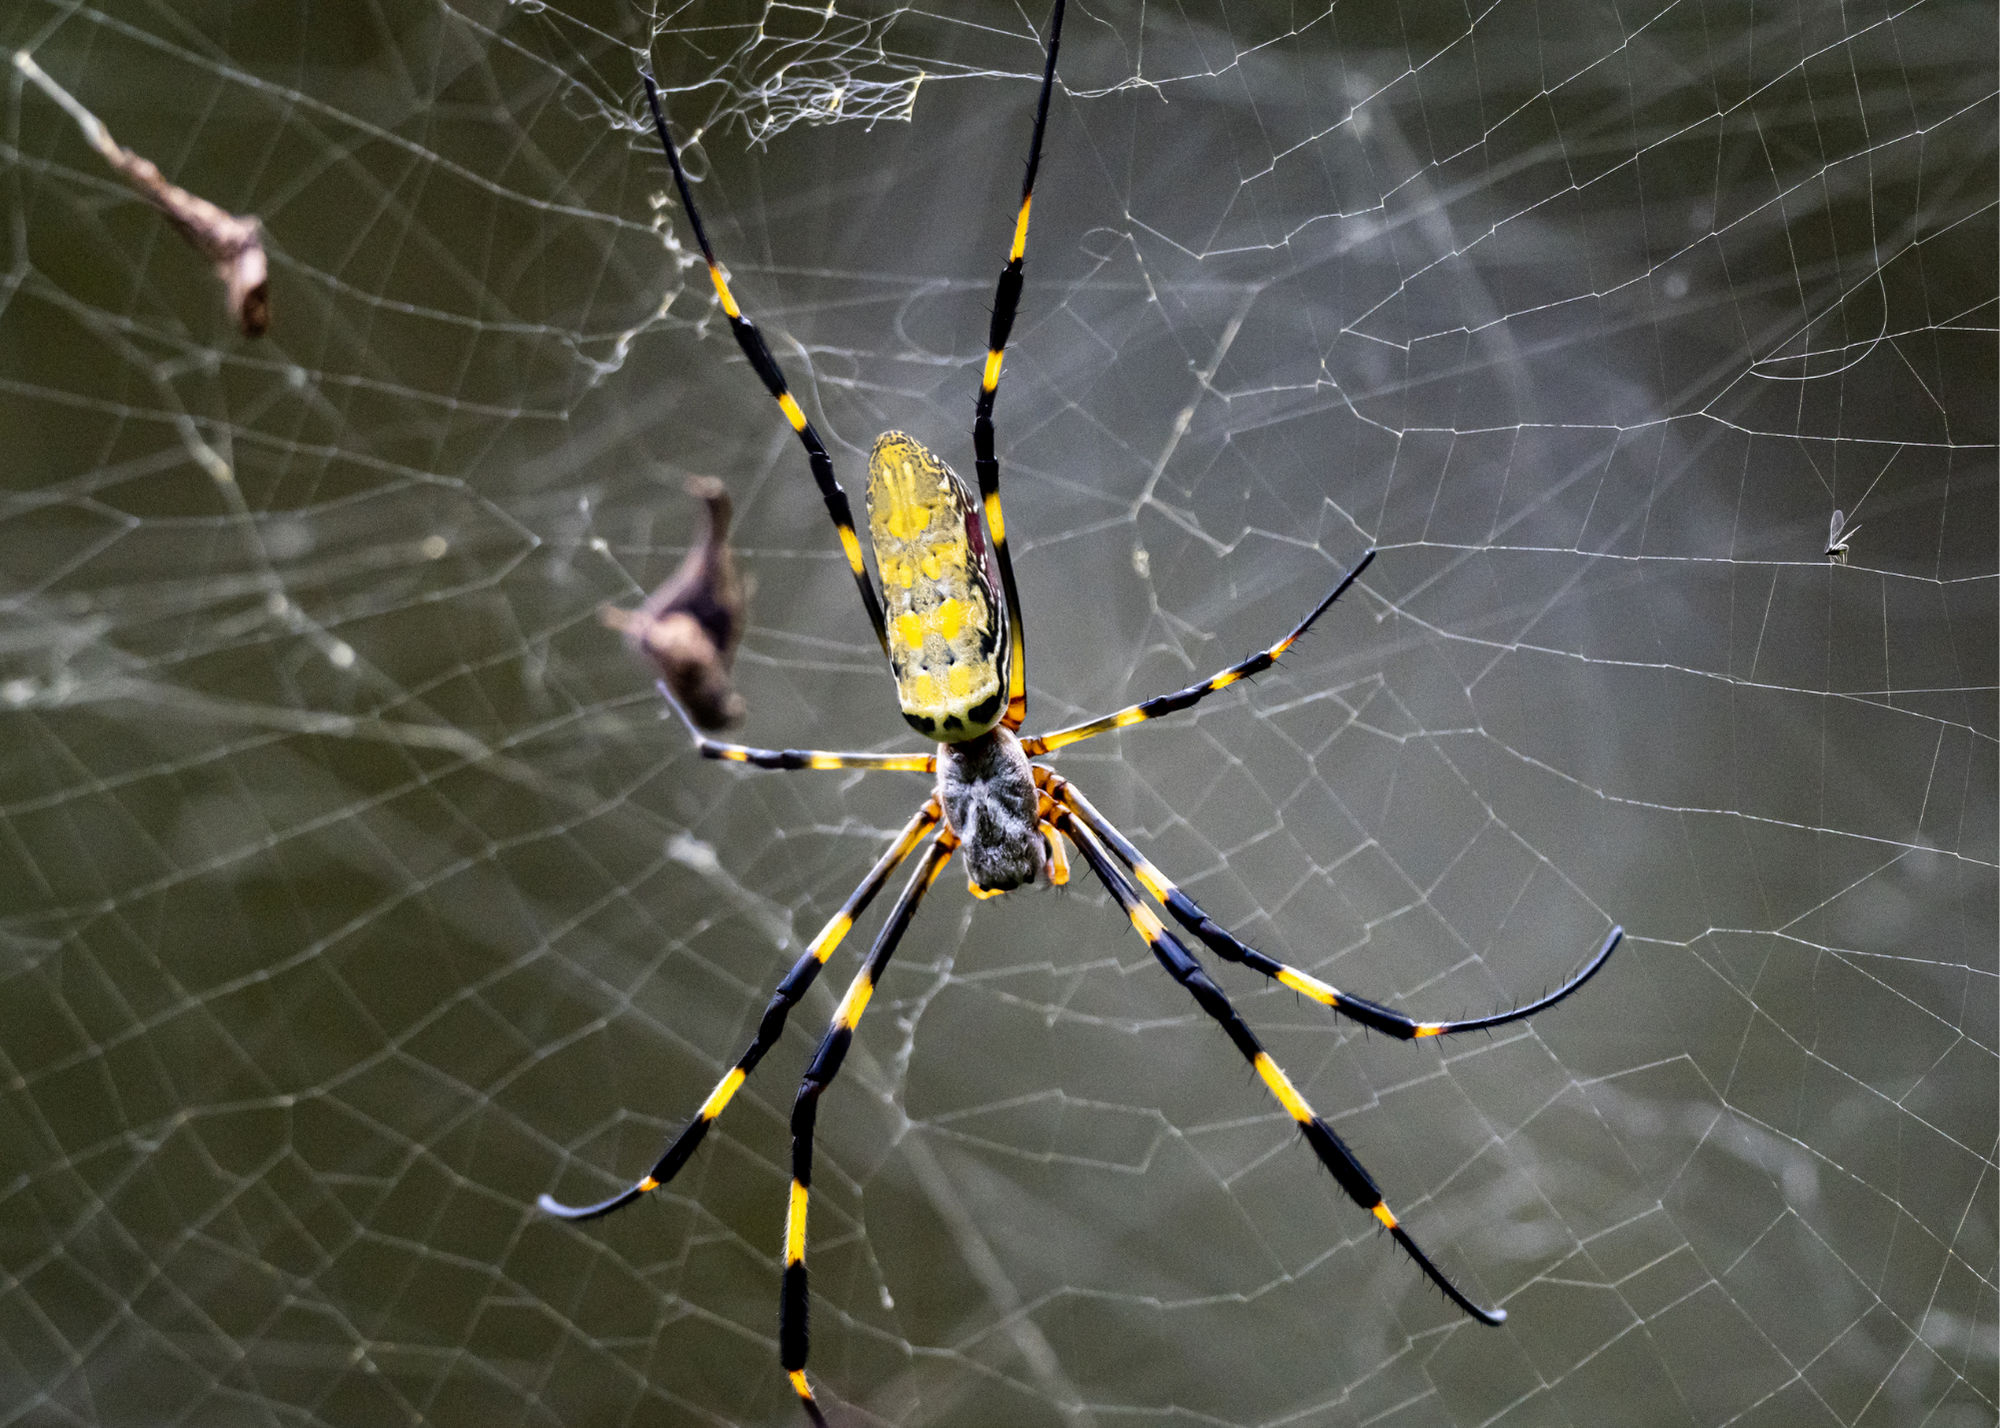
x,y
964,686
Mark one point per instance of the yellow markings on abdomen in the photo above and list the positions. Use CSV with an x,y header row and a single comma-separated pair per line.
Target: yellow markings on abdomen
x,y
909,511
947,621
944,613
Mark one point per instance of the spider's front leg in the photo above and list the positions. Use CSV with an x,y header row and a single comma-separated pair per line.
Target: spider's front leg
x,y
789,759
766,367
986,462
1186,698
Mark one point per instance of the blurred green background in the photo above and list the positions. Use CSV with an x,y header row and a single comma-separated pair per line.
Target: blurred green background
x,y
355,893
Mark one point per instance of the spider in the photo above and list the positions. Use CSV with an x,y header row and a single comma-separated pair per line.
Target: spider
x,y
961,680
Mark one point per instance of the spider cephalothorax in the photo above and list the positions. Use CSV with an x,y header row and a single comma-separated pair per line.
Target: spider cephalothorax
x,y
964,685
987,789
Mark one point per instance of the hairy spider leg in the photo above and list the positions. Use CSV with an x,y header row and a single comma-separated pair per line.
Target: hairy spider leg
x,y
1007,302
766,367
1045,812
794,1334
787,996
793,758
1183,968
814,758
1188,913
1186,698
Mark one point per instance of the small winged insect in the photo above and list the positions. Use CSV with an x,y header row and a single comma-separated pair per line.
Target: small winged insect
x,y
690,626
233,244
1837,539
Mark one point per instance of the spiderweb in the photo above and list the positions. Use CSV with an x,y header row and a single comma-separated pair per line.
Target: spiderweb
x,y
356,894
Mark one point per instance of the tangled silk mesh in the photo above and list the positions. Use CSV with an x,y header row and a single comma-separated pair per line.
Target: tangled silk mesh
x,y
356,893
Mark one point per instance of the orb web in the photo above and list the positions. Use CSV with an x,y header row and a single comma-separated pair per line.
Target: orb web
x,y
357,893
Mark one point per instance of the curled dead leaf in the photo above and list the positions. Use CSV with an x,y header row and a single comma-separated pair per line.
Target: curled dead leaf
x,y
232,243
690,626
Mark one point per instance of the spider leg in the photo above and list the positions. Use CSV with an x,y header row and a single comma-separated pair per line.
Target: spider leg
x,y
1188,913
787,996
794,1339
766,367
1184,698
1331,1150
1052,839
815,758
1006,303
794,758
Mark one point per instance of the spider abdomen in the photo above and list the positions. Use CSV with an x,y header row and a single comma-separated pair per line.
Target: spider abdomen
x,y
943,612
987,787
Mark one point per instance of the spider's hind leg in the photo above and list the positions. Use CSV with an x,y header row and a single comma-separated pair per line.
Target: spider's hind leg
x,y
788,994
1329,1147
1189,914
1186,698
794,1334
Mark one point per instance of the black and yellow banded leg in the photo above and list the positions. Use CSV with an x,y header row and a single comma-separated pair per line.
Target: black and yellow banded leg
x,y
793,758
1329,1147
1188,913
1045,811
1006,303
794,1337
787,996
814,758
766,367
1185,698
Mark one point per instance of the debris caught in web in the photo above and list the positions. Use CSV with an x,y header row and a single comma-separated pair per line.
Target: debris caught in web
x,y
690,626
234,244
